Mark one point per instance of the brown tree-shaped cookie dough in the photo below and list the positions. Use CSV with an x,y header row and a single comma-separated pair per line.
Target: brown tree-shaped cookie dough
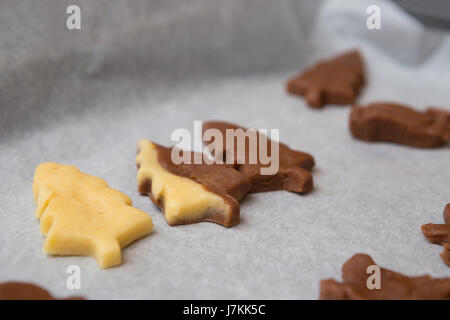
x,y
26,291
294,166
393,285
335,81
400,124
189,193
440,234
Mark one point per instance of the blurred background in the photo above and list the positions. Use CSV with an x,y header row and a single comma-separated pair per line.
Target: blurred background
x,y
435,13
172,40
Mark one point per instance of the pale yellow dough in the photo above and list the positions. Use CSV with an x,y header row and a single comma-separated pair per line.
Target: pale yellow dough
x,y
81,215
184,199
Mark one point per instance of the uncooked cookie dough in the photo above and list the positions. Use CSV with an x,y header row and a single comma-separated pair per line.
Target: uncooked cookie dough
x,y
440,234
392,285
338,80
392,122
12,290
81,215
189,193
294,169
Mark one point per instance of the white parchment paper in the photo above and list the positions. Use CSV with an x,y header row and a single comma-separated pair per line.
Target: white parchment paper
x,y
140,69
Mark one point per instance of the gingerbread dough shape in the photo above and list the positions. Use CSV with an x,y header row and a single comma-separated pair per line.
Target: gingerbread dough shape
x,y
26,291
81,215
440,234
400,124
393,285
294,166
335,81
190,193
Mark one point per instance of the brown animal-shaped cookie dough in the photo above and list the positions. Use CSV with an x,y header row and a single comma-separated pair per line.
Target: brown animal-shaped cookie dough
x,y
335,81
26,291
393,285
440,234
396,123
189,193
294,166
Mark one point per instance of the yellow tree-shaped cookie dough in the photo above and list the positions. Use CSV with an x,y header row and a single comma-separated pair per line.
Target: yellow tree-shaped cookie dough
x,y
81,215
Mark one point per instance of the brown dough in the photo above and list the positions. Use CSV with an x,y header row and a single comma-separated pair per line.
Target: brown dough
x,y
394,286
400,124
26,291
335,81
294,166
440,234
220,179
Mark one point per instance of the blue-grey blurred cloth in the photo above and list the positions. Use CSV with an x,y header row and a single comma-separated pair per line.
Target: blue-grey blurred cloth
x,y
140,69
435,13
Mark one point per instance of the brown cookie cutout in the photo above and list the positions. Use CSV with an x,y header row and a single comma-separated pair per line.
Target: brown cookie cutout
x,y
390,122
393,285
190,193
440,234
293,173
26,291
335,81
